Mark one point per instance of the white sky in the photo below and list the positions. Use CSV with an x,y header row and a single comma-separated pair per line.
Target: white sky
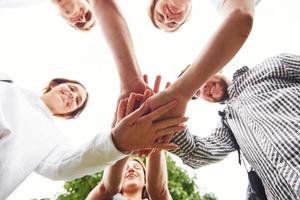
x,y
36,45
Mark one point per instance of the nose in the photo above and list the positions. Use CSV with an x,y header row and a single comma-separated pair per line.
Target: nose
x,y
130,169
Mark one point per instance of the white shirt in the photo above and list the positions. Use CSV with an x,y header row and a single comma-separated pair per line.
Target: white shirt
x,y
29,141
18,3
219,3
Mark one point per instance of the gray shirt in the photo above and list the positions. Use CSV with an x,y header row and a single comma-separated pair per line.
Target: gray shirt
x,y
263,112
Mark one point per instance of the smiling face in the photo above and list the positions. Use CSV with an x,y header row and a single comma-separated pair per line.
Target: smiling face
x,y
65,98
214,89
134,178
169,15
77,13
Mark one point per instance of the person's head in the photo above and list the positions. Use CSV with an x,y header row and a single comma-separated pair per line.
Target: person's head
x,y
213,90
65,98
77,13
135,178
169,15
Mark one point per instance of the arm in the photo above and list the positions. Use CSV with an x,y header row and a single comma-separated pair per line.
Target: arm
x,y
219,50
111,182
136,131
66,162
118,37
197,152
157,176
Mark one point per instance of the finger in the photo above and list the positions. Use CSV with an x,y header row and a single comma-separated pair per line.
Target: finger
x,y
121,110
131,118
169,122
166,138
157,84
145,77
168,84
165,146
130,104
169,131
160,111
139,99
147,94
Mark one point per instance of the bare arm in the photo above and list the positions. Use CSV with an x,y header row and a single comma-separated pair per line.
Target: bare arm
x,y
117,34
219,50
222,46
111,182
157,176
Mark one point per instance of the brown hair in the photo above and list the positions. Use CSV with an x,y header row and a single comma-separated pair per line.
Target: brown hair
x,y
74,114
144,191
151,15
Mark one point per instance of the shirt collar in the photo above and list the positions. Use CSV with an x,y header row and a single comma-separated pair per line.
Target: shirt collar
x,y
237,77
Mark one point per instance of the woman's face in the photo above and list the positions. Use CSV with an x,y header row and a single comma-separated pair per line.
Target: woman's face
x,y
76,12
170,14
134,178
65,98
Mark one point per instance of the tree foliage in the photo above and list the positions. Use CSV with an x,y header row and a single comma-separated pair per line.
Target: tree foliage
x,y
181,186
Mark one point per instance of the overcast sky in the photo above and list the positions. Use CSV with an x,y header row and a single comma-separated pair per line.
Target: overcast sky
x,y
36,45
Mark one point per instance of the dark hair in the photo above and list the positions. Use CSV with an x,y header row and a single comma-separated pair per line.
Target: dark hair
x,y
151,15
57,81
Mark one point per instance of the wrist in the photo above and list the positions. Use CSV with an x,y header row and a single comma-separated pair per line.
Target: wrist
x,y
130,84
178,92
120,146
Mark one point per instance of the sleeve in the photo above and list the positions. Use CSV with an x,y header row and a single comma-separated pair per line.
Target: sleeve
x,y
291,64
197,152
5,78
65,163
218,4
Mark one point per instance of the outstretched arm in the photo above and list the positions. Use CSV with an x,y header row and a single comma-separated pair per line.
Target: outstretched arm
x,y
117,34
219,50
111,182
157,176
196,151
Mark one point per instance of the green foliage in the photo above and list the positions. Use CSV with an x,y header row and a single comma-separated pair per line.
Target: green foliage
x,y
181,186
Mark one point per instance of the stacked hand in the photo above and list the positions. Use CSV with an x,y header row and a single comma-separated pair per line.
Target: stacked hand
x,y
140,129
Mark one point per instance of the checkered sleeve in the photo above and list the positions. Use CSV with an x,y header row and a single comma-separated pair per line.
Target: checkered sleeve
x,y
196,151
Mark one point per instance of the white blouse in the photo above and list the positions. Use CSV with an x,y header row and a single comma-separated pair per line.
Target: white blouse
x,y
30,141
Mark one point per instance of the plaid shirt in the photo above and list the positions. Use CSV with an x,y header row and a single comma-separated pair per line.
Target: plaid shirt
x,y
263,112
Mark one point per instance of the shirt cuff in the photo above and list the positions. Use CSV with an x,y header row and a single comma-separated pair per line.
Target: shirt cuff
x,y
108,150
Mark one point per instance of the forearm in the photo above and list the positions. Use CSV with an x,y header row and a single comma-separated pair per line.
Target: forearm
x,y
219,50
117,34
66,163
157,176
111,182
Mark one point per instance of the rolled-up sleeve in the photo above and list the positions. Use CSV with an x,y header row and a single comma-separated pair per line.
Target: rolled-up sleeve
x,y
197,152
65,163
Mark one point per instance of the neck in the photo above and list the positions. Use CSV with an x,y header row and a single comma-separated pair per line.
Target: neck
x,y
133,195
44,98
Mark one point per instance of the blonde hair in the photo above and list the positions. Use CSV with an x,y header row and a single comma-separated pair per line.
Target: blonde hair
x,y
151,8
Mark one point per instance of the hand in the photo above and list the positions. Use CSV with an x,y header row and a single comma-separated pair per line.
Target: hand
x,y
163,139
139,130
137,86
